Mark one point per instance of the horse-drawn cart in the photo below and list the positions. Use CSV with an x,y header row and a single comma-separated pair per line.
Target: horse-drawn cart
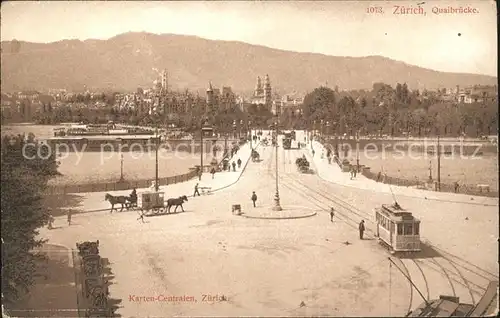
x,y
302,164
153,202
255,155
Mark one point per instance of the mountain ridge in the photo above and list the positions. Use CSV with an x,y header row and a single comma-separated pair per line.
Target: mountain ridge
x,y
126,61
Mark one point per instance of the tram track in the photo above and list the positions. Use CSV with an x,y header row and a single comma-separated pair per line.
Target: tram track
x,y
351,215
423,277
410,305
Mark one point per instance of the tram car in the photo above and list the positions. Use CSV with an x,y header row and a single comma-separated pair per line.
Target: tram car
x,y
397,228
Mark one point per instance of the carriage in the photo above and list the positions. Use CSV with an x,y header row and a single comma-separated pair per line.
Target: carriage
x,y
397,228
153,202
302,164
255,155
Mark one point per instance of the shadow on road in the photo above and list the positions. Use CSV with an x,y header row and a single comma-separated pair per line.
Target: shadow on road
x,y
425,252
113,303
54,293
59,204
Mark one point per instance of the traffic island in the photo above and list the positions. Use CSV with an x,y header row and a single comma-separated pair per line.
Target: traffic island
x,y
287,212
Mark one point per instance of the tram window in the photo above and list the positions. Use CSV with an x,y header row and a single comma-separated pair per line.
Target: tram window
x,y
417,229
408,229
400,229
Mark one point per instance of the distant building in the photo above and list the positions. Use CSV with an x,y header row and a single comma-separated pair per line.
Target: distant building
x,y
263,93
477,94
288,104
217,100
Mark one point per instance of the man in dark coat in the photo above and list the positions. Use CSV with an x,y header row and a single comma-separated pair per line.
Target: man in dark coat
x,y
254,198
332,214
234,166
361,229
239,163
196,190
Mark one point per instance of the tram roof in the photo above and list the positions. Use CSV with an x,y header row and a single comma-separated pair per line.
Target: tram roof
x,y
397,214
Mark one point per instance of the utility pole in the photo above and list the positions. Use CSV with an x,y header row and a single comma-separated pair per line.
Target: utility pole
x,y
201,150
277,206
411,282
121,167
157,184
439,164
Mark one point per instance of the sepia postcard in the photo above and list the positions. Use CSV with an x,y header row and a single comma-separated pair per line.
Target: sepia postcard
x,y
249,158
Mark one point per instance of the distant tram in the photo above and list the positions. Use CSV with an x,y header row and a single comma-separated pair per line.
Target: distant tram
x,y
398,228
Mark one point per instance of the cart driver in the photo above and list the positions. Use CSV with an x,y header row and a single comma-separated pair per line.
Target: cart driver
x,y
133,195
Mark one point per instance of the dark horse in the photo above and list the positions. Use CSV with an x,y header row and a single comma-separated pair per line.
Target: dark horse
x,y
121,199
177,202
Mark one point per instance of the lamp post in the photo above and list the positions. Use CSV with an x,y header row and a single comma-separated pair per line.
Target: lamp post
x,y
439,164
321,125
121,167
241,125
430,170
225,144
277,206
336,139
157,185
201,149
250,133
357,150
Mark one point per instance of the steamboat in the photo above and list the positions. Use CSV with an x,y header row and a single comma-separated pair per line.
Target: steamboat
x,y
109,137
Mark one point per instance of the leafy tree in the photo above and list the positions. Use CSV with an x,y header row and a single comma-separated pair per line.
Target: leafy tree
x,y
24,176
319,104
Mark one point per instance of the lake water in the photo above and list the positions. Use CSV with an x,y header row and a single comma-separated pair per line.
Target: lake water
x,y
89,167
93,167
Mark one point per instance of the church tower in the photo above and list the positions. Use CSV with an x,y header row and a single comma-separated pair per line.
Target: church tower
x,y
210,97
258,88
267,91
164,81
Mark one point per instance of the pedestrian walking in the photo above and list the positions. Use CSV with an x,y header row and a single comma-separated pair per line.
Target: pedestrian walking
x,y
379,174
212,172
69,216
355,172
332,214
196,190
234,166
254,198
455,184
239,163
361,229
51,222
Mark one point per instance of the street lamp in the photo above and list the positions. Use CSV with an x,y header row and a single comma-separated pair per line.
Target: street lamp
x,y
121,167
314,128
277,206
203,121
439,163
357,150
234,128
241,125
157,144
321,129
250,133
336,139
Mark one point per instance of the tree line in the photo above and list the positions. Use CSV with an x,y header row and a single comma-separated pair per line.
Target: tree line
x,y
26,167
393,111
384,109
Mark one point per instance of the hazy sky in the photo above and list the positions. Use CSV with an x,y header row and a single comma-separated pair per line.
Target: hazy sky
x,y
333,28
